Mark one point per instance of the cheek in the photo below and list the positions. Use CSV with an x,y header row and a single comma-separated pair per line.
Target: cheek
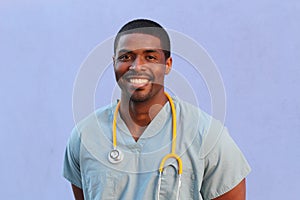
x,y
160,72
120,70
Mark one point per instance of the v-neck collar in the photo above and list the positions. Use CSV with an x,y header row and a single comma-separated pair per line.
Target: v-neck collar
x,y
155,126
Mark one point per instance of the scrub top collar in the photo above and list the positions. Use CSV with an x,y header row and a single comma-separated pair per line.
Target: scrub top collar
x,y
152,129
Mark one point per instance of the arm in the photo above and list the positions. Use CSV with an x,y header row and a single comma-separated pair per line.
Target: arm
x,y
78,193
225,169
237,193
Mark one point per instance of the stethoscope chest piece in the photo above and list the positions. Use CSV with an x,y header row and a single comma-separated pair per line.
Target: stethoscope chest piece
x,y
115,156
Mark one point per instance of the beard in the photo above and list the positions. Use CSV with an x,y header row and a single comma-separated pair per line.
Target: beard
x,y
139,96
142,95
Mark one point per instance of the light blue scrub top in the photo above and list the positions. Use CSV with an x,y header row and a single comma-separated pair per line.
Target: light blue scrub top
x,y
212,162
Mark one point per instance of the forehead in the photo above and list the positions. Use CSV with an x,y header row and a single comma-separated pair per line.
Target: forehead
x,y
136,41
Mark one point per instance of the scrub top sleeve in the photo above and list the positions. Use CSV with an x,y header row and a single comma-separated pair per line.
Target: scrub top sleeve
x,y
225,167
71,169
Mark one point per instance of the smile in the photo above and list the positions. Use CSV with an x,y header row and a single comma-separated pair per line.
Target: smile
x,y
138,81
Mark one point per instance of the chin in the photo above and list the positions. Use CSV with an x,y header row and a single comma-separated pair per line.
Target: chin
x,y
140,97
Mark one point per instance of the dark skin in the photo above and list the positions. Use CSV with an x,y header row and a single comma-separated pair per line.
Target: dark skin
x,y
78,193
140,67
237,193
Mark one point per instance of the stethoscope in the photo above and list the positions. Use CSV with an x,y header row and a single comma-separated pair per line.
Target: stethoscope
x,y
115,155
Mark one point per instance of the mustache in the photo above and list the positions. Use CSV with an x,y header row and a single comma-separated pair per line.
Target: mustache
x,y
130,74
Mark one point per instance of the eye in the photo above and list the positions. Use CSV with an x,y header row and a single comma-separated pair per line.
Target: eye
x,y
151,58
124,58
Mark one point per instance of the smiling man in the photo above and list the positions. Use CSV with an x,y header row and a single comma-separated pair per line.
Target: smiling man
x,y
140,67
150,145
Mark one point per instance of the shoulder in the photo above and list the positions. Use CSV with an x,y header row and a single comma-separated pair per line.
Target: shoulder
x,y
100,117
194,114
208,128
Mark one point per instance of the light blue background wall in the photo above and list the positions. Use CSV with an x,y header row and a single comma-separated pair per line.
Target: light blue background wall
x,y
255,44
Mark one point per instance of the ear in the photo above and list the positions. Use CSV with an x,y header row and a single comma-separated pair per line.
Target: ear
x,y
168,65
114,60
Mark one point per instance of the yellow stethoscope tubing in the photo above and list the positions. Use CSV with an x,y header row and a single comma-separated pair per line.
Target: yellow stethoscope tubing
x,y
174,134
114,126
174,129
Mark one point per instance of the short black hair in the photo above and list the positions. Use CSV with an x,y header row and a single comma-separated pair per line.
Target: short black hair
x,y
149,27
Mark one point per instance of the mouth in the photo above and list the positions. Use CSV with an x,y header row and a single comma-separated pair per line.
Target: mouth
x,y
138,82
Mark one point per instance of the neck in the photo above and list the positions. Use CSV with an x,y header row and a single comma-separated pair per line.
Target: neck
x,y
138,115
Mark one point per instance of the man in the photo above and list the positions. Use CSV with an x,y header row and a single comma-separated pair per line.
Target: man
x,y
141,128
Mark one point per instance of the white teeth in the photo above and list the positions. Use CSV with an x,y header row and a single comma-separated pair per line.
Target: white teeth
x,y
138,81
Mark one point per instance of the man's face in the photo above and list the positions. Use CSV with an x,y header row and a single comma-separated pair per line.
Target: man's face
x,y
140,66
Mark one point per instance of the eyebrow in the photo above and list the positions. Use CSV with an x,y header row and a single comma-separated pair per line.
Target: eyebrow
x,y
145,51
124,51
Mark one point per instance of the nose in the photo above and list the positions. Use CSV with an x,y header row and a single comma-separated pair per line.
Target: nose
x,y
137,64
